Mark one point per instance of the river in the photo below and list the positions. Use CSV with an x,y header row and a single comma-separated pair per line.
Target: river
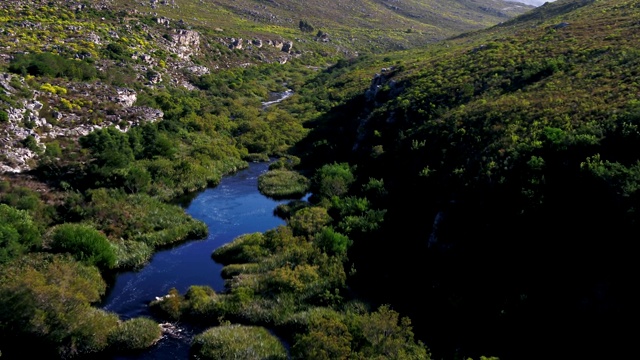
x,y
232,208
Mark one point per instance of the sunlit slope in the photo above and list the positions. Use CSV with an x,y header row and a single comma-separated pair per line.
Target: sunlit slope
x,y
352,25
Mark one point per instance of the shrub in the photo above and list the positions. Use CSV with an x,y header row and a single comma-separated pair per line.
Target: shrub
x,y
333,180
328,338
85,243
4,117
201,302
285,211
135,334
48,297
237,342
18,233
30,143
309,220
132,254
243,249
171,305
282,184
332,242
232,270
49,64
117,51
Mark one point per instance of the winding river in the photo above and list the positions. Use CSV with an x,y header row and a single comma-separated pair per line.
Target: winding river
x,y
232,208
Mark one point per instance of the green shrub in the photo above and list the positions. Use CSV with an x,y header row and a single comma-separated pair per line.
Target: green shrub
x,y
327,338
285,211
48,297
84,243
30,143
135,334
18,233
117,51
132,254
333,180
4,117
332,242
283,184
201,302
256,157
239,343
141,218
243,249
309,220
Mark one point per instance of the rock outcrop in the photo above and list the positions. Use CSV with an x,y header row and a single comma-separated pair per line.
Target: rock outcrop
x,y
185,43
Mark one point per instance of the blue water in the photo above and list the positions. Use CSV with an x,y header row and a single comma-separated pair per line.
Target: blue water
x,y
232,208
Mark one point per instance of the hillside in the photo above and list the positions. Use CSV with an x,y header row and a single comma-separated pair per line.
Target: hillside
x,y
505,163
349,26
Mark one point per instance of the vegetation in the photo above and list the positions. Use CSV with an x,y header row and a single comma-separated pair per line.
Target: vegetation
x,y
18,233
439,174
238,342
85,243
283,184
52,65
135,334
510,135
48,297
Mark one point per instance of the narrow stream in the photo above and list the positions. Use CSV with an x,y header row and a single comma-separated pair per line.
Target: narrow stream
x,y
232,208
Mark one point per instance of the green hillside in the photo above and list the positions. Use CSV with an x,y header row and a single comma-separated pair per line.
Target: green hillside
x,y
350,26
506,162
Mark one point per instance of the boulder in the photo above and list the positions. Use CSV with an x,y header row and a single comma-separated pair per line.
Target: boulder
x,y
287,46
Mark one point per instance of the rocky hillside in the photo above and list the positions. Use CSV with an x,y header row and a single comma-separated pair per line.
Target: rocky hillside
x,y
76,66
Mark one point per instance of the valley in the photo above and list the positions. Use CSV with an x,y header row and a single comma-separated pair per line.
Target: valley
x,y
471,165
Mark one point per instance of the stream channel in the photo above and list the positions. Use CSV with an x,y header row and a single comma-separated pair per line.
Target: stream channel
x,y
232,208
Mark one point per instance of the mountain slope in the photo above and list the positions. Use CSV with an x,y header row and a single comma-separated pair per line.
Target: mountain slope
x,y
509,162
362,26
